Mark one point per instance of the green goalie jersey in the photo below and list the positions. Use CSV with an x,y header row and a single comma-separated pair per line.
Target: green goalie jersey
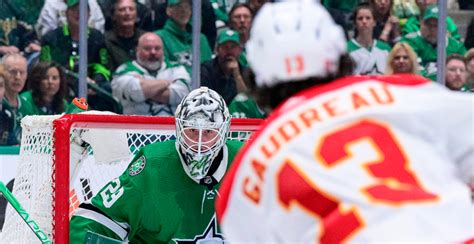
x,y
154,201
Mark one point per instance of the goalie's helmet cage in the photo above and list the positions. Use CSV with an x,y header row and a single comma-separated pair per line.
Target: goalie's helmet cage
x,y
294,40
202,125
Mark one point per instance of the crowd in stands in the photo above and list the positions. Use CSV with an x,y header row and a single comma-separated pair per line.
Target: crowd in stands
x,y
140,52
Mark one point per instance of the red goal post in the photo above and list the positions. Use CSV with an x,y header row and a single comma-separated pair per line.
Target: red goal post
x,y
64,160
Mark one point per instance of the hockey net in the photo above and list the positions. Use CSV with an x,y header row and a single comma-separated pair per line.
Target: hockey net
x,y
65,160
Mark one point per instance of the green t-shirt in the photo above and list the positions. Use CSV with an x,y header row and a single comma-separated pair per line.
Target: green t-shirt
x,y
427,53
153,201
413,25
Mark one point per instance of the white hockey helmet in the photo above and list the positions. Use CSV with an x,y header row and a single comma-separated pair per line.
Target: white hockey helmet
x,y
202,125
292,41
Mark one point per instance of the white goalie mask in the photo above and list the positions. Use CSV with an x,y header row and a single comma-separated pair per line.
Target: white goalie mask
x,y
202,124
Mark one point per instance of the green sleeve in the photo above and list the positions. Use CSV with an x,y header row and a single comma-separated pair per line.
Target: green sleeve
x,y
166,50
220,12
412,25
120,200
452,29
206,53
45,54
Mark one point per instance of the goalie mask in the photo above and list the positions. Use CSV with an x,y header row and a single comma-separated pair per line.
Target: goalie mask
x,y
202,124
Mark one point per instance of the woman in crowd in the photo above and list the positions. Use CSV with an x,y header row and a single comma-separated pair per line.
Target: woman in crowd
x,y
402,59
368,53
46,90
387,26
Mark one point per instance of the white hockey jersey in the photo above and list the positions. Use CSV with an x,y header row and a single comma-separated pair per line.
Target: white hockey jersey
x,y
360,160
126,87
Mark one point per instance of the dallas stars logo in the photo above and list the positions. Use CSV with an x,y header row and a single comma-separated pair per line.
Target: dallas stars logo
x,y
210,234
137,167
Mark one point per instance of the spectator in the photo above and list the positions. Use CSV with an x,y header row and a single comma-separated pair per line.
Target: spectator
x,y
16,74
177,36
149,85
469,40
387,26
208,19
47,88
8,125
53,15
241,16
144,15
456,73
62,46
413,23
470,68
402,59
223,74
16,27
424,43
368,53
122,39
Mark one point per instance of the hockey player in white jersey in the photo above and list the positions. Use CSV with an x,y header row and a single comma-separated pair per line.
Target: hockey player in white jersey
x,y
360,159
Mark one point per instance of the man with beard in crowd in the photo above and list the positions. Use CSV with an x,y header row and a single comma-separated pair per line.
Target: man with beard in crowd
x,y
223,74
149,85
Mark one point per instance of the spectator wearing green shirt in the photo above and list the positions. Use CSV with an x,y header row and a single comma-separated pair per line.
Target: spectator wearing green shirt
x,y
413,23
424,42
177,35
47,89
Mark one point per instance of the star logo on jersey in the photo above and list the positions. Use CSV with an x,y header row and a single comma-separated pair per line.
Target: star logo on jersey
x,y
184,58
137,166
374,71
210,235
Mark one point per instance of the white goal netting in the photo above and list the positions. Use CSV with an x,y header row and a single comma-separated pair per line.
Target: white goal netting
x,y
65,160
